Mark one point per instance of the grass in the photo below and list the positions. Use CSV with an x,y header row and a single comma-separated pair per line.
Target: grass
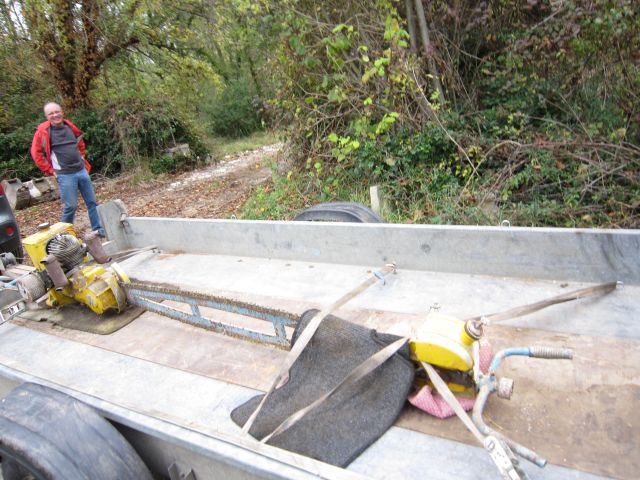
x,y
278,199
221,146
287,195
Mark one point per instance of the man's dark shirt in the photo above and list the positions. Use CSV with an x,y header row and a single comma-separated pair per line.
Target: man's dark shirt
x,y
65,155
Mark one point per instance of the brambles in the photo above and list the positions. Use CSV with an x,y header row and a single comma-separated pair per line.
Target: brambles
x,y
539,120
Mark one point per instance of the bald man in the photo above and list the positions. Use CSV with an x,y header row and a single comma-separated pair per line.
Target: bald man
x,y
58,149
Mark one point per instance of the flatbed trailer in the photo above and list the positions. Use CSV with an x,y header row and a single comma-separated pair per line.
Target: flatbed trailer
x,y
169,387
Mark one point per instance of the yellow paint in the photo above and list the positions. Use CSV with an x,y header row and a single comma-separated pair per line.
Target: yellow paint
x,y
443,342
122,275
93,284
36,245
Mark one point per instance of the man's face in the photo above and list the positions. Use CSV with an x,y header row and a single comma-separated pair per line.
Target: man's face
x,y
53,112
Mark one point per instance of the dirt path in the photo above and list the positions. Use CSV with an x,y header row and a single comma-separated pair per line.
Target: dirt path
x,y
215,191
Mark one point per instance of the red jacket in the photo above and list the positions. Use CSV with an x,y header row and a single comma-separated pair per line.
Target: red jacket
x,y
41,147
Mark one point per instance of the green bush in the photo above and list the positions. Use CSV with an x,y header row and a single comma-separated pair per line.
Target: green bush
x,y
146,130
409,163
236,111
117,137
174,164
15,159
104,154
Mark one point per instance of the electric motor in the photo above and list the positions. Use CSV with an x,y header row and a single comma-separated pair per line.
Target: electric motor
x,y
32,286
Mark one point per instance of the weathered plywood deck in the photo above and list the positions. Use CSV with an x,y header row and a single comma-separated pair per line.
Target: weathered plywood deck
x,y
579,414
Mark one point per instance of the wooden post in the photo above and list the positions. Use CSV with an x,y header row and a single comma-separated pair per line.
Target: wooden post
x,y
375,199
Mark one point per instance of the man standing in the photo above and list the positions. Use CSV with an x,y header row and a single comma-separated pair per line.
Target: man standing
x,y
58,149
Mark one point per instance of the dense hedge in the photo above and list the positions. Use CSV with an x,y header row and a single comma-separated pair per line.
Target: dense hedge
x,y
118,137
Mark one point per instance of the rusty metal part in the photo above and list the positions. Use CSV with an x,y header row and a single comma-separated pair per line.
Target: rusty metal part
x,y
505,388
149,296
489,384
474,328
551,353
31,286
94,245
54,269
498,448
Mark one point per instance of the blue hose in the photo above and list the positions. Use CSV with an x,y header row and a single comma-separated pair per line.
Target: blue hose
x,y
507,352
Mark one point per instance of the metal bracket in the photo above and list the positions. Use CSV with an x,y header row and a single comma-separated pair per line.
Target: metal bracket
x,y
504,459
125,223
12,306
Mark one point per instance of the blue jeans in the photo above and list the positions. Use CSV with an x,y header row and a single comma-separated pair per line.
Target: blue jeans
x,y
69,184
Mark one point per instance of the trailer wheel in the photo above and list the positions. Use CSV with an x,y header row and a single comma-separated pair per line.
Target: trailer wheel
x,y
339,212
11,470
45,434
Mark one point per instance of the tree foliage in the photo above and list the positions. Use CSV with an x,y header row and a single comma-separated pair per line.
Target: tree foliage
x,y
73,38
530,106
196,62
536,104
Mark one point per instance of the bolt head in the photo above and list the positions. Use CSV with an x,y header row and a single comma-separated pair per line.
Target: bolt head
x,y
505,388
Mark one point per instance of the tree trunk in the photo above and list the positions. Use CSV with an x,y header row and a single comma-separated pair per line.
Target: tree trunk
x,y
411,25
67,37
428,50
252,72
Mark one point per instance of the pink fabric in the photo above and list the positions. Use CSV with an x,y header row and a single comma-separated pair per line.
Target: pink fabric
x,y
435,405
486,355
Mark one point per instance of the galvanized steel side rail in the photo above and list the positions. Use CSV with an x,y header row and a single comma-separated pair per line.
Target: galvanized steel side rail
x,y
563,254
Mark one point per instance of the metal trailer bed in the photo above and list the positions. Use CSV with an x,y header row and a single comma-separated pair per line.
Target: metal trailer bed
x,y
169,387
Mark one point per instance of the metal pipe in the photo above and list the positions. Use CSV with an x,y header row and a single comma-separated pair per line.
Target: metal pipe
x,y
519,449
55,272
507,352
94,245
481,401
488,385
534,352
478,407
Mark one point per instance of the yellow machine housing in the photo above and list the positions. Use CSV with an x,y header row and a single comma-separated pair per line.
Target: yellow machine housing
x,y
443,341
89,283
36,245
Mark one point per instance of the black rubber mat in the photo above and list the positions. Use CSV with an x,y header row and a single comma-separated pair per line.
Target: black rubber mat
x,y
80,317
348,422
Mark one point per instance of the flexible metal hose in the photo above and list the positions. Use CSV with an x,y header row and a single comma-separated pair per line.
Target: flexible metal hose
x,y
551,352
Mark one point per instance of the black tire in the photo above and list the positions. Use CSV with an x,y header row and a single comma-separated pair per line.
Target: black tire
x,y
339,212
11,470
45,434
